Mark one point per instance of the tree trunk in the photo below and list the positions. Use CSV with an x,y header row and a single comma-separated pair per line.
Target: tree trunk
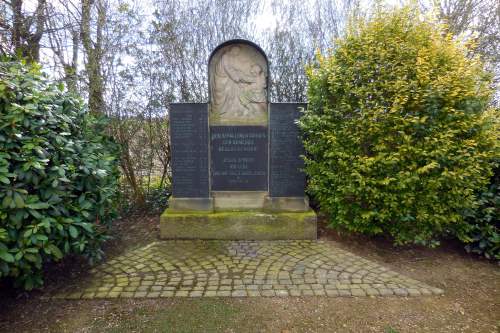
x,y
94,54
25,43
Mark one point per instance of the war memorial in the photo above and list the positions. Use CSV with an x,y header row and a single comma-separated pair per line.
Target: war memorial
x,y
236,160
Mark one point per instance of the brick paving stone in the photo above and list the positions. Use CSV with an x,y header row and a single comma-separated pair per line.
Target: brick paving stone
x,y
319,292
414,292
345,293
114,294
196,268
88,295
76,295
358,292
196,293
239,293
282,293
307,293
267,293
332,292
426,292
253,293
385,291
437,291
401,292
167,293
223,293
210,293
127,294
372,292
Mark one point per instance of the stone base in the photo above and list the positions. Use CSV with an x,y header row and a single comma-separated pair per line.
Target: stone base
x,y
191,204
286,204
238,200
242,225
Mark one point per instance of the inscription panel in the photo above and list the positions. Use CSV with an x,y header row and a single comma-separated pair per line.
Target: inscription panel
x,y
286,178
189,144
239,158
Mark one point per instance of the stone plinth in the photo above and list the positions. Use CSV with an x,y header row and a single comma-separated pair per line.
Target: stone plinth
x,y
238,225
191,204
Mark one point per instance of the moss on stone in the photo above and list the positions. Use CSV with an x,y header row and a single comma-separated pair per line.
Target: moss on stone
x,y
238,225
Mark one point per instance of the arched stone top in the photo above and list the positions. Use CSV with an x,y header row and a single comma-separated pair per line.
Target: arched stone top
x,y
238,41
238,74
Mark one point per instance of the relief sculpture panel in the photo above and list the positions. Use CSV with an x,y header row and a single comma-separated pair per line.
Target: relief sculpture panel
x,y
238,86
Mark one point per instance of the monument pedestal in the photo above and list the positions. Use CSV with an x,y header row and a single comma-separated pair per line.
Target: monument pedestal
x,y
238,225
239,216
239,200
191,204
286,204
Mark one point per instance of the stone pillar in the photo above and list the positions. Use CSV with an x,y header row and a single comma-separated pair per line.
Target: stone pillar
x,y
189,147
239,153
287,181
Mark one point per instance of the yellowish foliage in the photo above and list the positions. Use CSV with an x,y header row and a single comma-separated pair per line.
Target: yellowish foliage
x,y
398,132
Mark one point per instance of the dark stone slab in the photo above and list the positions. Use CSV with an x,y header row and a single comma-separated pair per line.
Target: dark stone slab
x,y
239,157
286,178
189,144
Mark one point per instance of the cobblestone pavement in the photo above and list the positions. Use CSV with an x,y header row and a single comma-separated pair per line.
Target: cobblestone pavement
x,y
243,268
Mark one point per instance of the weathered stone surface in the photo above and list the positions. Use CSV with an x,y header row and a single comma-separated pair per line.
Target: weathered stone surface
x,y
286,177
238,200
284,204
242,269
242,225
189,145
221,158
239,158
238,86
191,204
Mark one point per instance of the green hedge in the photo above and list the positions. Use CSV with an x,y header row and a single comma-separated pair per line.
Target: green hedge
x,y
58,175
397,138
482,232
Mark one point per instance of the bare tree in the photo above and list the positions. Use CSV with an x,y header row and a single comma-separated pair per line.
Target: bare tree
x,y
64,39
186,33
24,29
477,21
302,29
94,49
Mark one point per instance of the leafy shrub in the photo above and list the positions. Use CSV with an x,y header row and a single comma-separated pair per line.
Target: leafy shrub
x,y
156,195
58,176
483,229
395,132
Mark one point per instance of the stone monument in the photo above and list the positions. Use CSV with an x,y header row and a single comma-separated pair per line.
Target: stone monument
x,y
236,165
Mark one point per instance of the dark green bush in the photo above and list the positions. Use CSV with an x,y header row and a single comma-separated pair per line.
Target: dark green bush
x,y
156,195
58,175
482,232
396,133
157,198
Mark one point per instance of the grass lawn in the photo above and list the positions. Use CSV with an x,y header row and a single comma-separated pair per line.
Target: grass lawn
x,y
471,302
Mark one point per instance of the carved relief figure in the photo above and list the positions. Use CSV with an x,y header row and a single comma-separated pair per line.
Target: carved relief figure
x,y
238,86
253,98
